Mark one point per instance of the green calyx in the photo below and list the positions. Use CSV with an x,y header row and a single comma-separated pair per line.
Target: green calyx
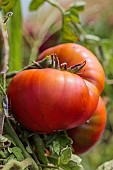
x,y
51,61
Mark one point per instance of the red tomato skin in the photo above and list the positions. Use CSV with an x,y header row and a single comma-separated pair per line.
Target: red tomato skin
x,y
48,100
75,54
86,135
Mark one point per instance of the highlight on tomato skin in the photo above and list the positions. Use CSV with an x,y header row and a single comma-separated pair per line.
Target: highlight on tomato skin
x,y
85,136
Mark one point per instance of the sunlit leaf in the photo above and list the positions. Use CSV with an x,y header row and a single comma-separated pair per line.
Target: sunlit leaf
x,y
56,146
18,153
3,154
80,5
70,30
28,148
76,159
65,155
34,5
58,141
3,139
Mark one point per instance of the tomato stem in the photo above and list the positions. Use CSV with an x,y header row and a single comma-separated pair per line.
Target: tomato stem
x,y
50,61
45,63
76,68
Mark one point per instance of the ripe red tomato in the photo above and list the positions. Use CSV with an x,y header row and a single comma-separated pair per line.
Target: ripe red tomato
x,y
87,134
49,100
75,54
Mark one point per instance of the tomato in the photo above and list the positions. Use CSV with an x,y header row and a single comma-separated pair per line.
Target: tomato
x,y
49,100
75,54
87,134
46,100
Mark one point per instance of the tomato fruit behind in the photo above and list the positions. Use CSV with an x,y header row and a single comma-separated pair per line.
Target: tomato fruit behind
x,y
87,134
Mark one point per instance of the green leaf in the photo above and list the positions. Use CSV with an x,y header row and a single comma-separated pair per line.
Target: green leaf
x,y
64,140
3,139
3,154
65,167
9,150
18,153
8,5
73,166
10,139
71,21
10,158
34,5
56,142
15,39
65,155
56,147
73,162
76,159
92,39
49,139
53,159
80,5
29,150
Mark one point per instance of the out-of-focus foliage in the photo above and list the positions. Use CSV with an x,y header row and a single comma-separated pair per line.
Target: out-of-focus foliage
x,y
8,5
107,166
71,23
35,4
15,38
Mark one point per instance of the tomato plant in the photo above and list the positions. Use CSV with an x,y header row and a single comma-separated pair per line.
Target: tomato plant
x,y
48,100
87,134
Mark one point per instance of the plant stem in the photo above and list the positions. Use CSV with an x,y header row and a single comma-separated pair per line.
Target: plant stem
x,y
9,130
33,153
40,148
56,6
46,62
59,8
